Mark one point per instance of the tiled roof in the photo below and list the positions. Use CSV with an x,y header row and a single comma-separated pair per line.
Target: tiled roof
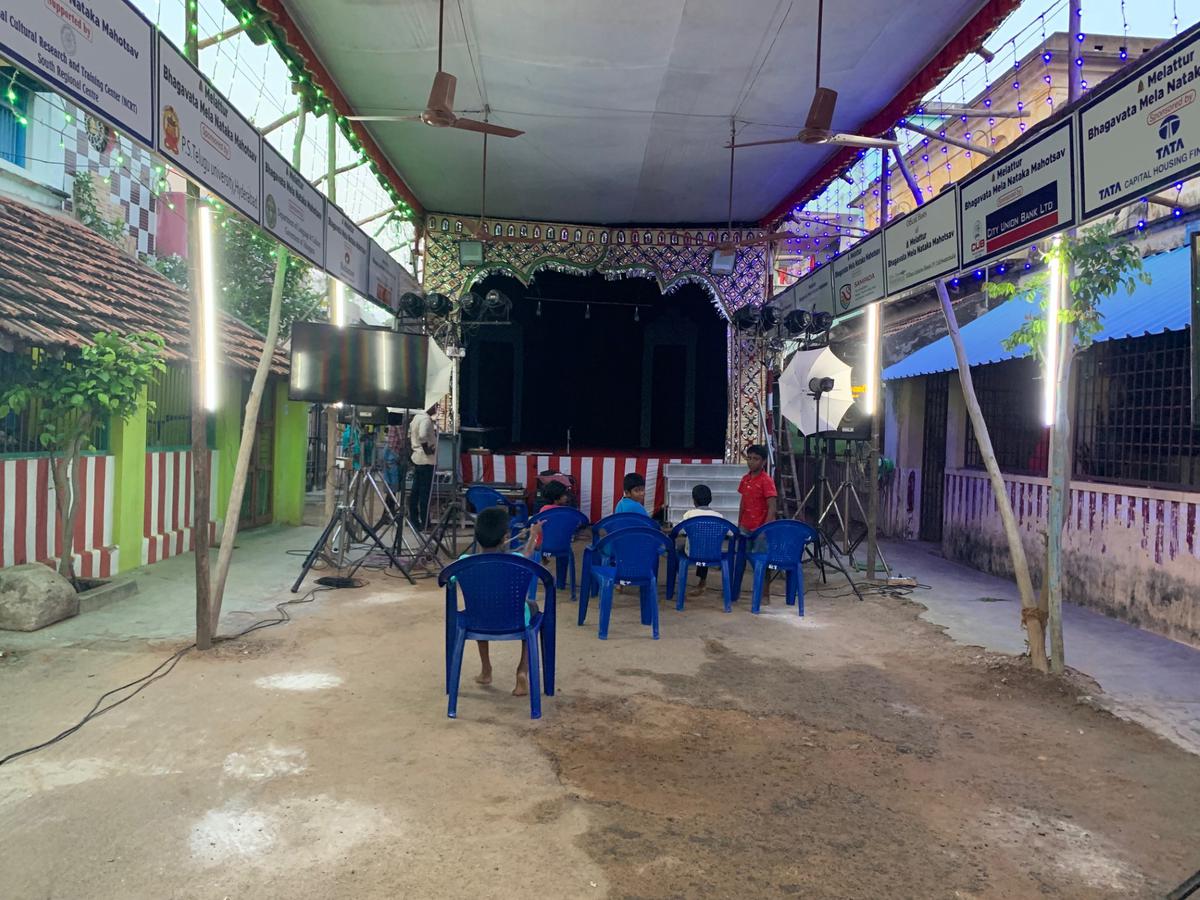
x,y
60,283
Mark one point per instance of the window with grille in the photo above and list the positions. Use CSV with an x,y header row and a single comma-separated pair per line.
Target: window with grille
x,y
169,426
1133,413
12,130
1009,395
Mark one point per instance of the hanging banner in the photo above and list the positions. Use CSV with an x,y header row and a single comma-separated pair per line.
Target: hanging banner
x,y
813,292
1019,198
1142,132
347,256
384,284
858,275
98,53
292,209
923,245
201,132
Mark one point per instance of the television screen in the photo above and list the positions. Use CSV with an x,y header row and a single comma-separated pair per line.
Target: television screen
x,y
361,366
722,262
470,253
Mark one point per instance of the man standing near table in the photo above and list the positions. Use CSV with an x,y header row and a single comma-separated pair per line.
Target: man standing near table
x,y
423,437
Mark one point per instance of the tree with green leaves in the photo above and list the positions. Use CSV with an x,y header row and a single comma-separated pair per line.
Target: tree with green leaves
x,y
72,391
1094,264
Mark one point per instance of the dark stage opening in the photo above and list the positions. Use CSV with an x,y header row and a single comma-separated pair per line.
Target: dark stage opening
x,y
616,364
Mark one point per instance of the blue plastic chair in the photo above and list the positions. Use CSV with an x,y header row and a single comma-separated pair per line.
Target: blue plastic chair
x,y
494,586
559,525
711,541
634,553
600,528
480,497
782,545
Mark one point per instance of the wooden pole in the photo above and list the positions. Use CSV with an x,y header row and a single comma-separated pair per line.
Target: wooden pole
x,y
876,388
201,471
331,298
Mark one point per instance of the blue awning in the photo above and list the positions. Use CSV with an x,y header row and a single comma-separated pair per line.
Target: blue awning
x,y
1162,305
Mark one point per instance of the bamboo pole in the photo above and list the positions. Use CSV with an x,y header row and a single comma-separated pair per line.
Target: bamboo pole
x,y
253,404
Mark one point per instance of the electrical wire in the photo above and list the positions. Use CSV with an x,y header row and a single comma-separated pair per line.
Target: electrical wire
x,y
163,669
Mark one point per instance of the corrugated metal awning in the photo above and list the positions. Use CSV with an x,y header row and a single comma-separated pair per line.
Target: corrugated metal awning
x,y
1162,305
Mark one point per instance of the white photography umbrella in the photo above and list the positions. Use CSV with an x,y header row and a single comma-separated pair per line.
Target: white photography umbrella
x,y
802,401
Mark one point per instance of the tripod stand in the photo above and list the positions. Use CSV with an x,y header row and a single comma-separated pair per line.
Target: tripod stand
x,y
839,503
343,517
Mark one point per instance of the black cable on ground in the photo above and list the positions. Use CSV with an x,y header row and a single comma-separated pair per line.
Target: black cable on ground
x,y
1187,889
163,669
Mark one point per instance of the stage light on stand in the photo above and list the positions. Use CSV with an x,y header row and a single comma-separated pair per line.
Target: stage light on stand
x,y
412,305
798,322
818,386
496,304
768,317
822,320
470,304
438,305
746,318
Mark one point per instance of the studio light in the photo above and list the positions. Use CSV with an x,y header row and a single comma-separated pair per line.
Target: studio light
x,y
470,303
438,305
820,386
746,318
768,317
337,315
208,310
797,322
822,320
873,313
497,304
412,305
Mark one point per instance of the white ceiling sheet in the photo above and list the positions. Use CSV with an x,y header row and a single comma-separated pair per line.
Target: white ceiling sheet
x,y
626,103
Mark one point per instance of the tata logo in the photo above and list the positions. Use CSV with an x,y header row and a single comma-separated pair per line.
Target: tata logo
x,y
1169,128
1111,191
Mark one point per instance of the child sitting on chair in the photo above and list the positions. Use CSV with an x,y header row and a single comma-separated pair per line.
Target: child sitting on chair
x,y
491,533
701,498
635,495
555,493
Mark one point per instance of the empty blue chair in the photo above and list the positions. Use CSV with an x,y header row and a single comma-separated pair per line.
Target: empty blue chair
x,y
600,529
711,541
777,546
559,525
494,587
480,497
634,554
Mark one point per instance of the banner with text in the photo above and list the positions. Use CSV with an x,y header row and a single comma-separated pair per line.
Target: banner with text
x,y
98,53
347,254
1142,132
923,245
201,132
858,275
385,277
1018,198
813,292
292,209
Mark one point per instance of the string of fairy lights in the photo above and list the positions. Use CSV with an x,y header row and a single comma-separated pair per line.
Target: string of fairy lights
x,y
847,210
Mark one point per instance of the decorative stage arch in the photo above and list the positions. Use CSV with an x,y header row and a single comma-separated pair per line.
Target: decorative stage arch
x,y
671,256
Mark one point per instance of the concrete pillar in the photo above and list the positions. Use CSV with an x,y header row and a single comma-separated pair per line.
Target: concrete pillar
x,y
127,441
291,453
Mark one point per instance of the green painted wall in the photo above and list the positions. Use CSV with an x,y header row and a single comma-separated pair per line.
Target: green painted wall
x,y
228,437
127,442
291,452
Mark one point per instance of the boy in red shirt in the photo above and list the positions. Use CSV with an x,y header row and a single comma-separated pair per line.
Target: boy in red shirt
x,y
758,504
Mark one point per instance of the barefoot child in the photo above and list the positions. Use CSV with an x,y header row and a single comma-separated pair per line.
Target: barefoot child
x,y
491,532
701,498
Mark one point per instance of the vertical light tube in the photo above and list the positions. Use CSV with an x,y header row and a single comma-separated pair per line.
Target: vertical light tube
x,y
208,310
338,313
872,398
1050,372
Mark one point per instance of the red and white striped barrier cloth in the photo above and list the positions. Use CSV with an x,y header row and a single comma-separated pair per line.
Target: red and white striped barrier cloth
x,y
168,512
599,477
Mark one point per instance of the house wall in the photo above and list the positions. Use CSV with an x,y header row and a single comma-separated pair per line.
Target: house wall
x,y
168,511
903,439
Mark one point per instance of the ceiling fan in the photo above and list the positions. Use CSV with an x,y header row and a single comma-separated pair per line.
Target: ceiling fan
x,y
439,110
818,126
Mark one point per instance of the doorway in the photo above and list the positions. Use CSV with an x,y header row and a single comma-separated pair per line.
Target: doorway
x,y
933,456
257,502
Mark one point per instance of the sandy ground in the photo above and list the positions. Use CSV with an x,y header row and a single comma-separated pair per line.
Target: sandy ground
x,y
856,752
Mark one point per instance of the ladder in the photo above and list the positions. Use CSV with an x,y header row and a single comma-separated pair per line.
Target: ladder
x,y
787,478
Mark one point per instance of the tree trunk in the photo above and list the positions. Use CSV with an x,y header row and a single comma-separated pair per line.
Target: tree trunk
x,y
63,469
1031,616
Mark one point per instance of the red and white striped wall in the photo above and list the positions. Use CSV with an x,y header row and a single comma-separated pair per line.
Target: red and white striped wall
x,y
169,513
599,477
31,524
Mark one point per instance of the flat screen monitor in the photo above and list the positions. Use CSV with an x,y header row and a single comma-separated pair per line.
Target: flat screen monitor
x,y
722,262
470,253
361,366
